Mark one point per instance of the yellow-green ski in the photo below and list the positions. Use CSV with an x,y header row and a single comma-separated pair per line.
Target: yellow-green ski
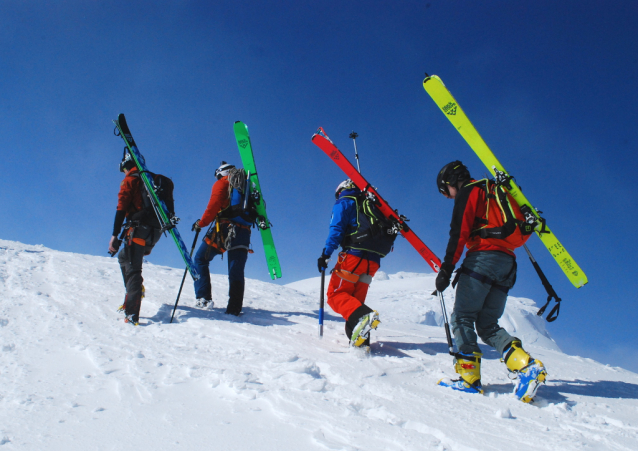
x,y
452,110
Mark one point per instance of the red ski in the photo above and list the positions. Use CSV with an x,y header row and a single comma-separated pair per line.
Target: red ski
x,y
324,143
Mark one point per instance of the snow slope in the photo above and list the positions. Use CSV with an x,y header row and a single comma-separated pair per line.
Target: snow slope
x,y
73,376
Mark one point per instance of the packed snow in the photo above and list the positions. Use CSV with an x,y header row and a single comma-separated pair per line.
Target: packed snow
x,y
74,376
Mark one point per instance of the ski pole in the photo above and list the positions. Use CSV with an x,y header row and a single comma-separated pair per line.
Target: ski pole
x,y
184,278
321,294
447,325
354,137
551,294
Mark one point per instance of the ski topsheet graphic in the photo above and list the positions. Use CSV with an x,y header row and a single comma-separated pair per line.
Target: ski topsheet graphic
x,y
248,161
167,223
452,110
320,138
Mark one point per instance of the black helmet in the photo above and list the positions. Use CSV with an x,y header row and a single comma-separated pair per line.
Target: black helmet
x,y
451,174
223,169
127,162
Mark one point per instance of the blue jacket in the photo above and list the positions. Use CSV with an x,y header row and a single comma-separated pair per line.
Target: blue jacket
x,y
344,221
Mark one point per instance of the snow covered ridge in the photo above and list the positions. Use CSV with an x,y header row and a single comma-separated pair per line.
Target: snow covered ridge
x,y
412,291
73,376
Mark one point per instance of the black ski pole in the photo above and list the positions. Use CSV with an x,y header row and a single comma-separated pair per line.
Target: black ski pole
x,y
551,294
321,295
184,278
447,325
354,137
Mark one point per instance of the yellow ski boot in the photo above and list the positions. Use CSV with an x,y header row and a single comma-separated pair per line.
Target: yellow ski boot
x,y
468,366
362,330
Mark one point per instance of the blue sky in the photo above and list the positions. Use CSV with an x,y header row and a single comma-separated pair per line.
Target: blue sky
x,y
549,85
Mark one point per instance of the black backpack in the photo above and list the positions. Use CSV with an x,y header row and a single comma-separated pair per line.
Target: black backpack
x,y
163,187
375,232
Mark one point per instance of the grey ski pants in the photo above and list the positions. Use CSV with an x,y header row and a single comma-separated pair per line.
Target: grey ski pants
x,y
480,304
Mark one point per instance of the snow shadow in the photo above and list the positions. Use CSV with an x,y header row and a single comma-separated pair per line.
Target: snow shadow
x,y
396,348
427,348
557,389
258,317
261,317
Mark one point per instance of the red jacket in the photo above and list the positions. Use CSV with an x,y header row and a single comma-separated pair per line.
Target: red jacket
x,y
219,199
129,198
470,206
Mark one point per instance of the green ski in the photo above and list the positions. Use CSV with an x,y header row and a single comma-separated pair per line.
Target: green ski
x,y
248,161
434,86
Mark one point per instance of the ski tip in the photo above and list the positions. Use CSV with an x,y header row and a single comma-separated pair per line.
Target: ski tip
x,y
581,283
432,77
240,127
320,131
121,120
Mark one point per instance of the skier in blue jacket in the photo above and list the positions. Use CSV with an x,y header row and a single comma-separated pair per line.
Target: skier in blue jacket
x,y
356,265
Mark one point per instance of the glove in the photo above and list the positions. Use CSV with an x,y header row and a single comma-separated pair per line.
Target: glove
x,y
196,227
444,276
322,262
114,245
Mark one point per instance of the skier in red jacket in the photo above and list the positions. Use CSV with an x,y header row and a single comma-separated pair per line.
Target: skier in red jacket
x,y
484,279
230,233
139,238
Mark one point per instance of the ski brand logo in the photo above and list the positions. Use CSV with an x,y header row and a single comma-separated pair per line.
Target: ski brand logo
x,y
243,143
450,109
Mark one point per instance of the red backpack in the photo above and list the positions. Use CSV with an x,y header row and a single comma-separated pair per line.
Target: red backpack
x,y
503,223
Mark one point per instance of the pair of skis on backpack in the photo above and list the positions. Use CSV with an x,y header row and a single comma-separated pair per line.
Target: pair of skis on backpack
x,y
168,221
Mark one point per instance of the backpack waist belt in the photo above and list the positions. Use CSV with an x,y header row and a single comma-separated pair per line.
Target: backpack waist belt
x,y
241,226
483,279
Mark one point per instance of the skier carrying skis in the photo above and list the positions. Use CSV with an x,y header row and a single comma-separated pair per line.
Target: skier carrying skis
x,y
229,233
356,264
139,237
484,279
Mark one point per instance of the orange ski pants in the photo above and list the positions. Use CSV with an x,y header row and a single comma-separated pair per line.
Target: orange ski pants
x,y
344,297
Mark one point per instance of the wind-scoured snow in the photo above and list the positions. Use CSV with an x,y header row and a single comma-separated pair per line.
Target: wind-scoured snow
x,y
73,376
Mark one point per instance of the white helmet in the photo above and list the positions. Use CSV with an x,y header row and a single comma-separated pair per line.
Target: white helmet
x,y
223,170
346,184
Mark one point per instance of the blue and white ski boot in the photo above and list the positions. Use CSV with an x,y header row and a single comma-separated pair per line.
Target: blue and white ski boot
x,y
468,366
528,373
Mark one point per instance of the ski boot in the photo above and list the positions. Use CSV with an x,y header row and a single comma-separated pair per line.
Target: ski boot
x,y
204,303
122,308
130,319
528,372
361,332
468,366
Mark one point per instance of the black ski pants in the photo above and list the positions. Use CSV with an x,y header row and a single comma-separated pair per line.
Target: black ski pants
x,y
131,258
